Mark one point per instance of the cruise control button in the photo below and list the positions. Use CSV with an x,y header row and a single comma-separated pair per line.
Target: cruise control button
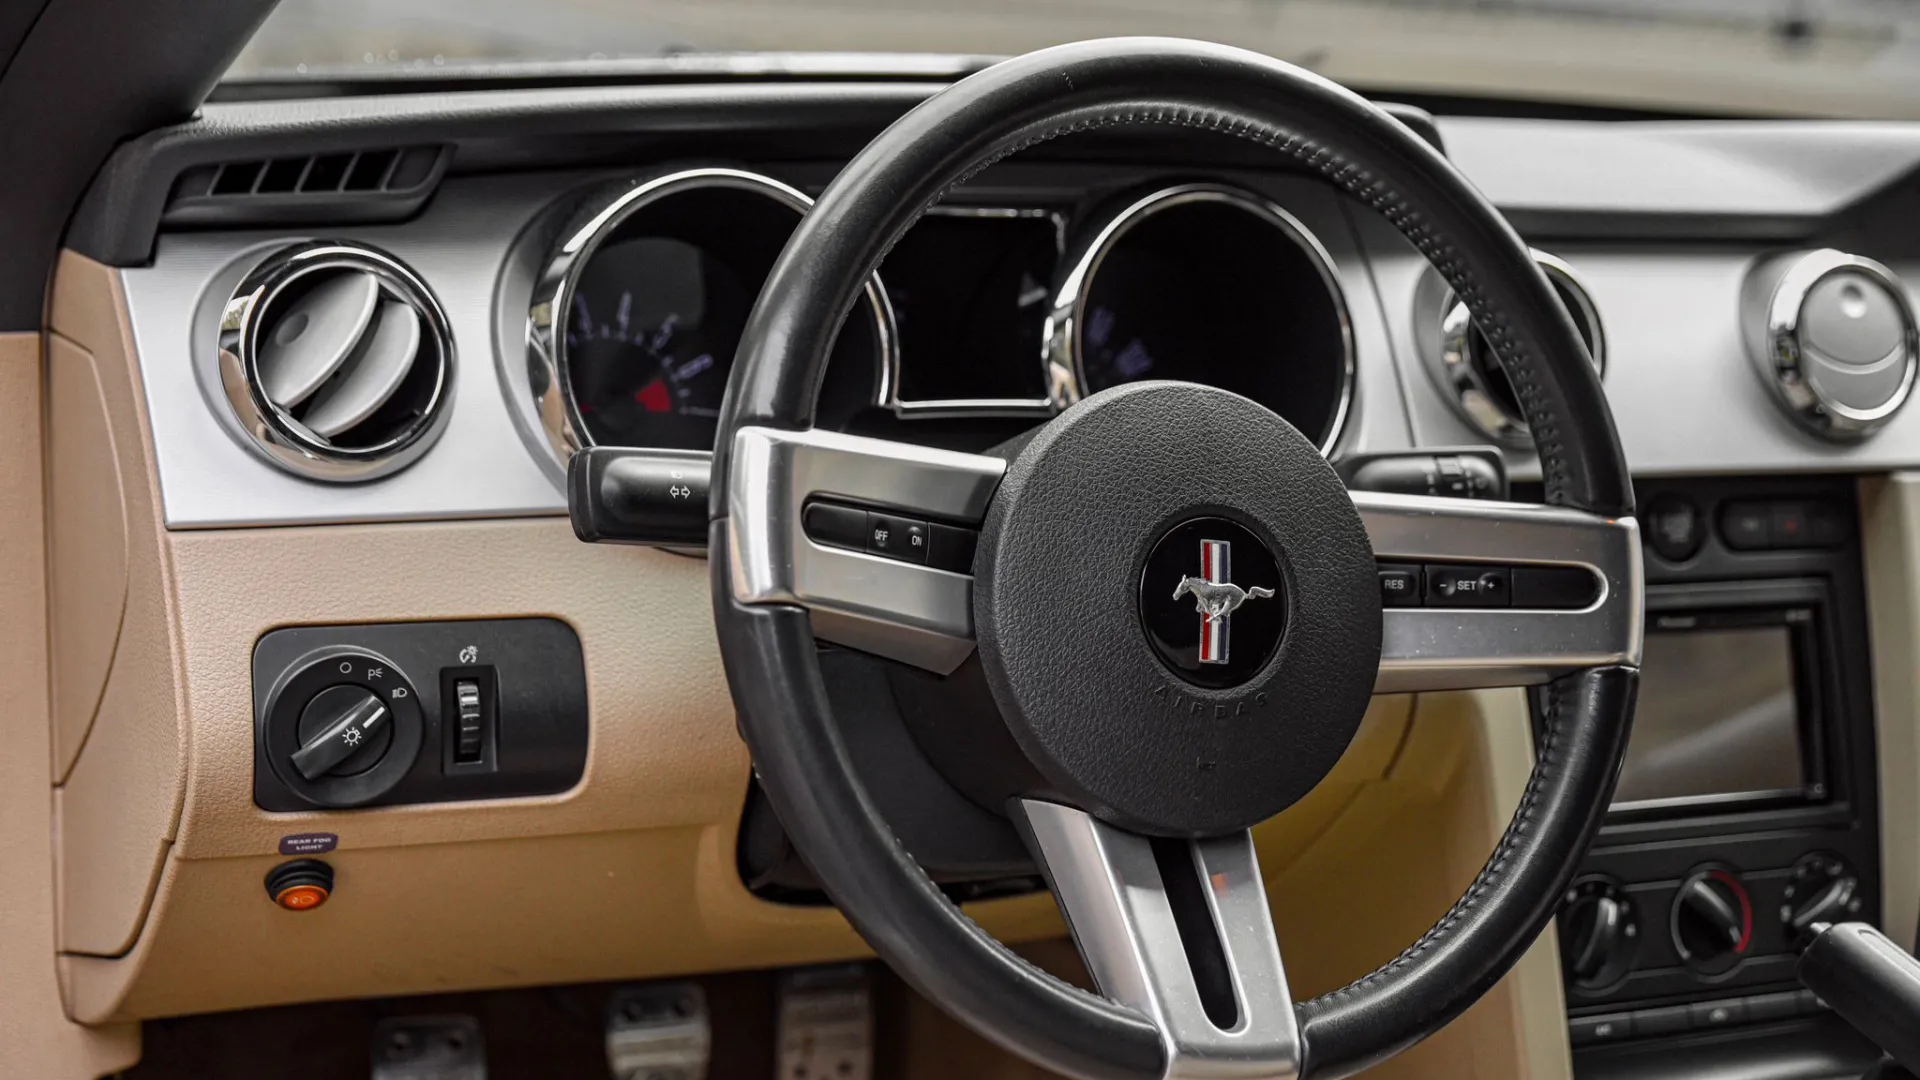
x,y
1468,586
950,547
835,526
1399,585
897,537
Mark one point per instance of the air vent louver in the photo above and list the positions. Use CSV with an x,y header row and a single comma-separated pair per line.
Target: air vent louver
x,y
360,185
337,361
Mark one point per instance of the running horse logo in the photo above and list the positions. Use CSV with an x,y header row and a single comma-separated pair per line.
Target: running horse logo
x,y
1216,598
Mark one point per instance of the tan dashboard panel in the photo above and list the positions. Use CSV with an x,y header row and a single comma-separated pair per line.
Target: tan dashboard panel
x,y
1890,527
87,574
36,1038
118,800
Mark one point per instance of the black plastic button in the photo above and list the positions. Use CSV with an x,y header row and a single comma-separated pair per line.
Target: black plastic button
x,y
1661,1021
1399,585
1674,528
1788,526
1468,586
1828,525
1583,1030
950,547
1773,1006
1716,1014
836,526
897,537
1561,588
1746,526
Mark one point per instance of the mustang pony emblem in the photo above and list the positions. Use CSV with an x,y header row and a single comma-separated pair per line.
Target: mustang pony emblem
x,y
1215,598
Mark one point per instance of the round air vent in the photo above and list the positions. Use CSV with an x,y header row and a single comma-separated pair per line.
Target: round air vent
x,y
1472,376
1835,339
337,361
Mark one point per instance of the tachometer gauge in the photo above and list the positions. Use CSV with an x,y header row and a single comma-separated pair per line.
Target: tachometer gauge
x,y
650,336
636,320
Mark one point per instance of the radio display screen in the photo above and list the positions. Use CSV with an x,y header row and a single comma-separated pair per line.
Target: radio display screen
x,y
1719,718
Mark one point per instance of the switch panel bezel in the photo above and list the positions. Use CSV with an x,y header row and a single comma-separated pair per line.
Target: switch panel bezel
x,y
534,695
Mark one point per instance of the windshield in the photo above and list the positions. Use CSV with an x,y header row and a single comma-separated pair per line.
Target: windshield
x,y
1858,58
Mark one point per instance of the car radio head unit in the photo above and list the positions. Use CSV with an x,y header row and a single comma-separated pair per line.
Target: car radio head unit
x,y
1729,714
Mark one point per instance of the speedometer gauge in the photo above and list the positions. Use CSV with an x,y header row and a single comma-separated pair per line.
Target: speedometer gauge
x,y
635,324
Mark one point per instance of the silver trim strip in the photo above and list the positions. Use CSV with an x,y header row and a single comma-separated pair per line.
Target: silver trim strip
x,y
546,350
1461,648
1110,889
900,610
1066,370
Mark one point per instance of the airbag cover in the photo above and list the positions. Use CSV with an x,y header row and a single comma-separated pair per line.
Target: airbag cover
x,y
1058,606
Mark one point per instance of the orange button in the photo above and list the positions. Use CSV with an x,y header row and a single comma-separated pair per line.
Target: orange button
x,y
301,897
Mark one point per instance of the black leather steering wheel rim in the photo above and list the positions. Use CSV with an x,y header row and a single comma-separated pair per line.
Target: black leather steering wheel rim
x,y
769,649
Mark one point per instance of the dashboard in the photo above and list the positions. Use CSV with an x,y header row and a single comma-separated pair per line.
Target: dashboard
x,y
364,337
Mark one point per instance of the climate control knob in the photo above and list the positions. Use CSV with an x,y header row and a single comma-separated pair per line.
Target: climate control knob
x,y
1599,933
1712,920
1823,890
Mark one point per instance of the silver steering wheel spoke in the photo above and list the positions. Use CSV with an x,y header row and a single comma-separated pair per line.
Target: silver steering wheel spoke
x,y
891,606
1180,931
1452,648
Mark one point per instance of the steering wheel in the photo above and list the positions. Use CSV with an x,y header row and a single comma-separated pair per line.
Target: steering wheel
x,y
1140,738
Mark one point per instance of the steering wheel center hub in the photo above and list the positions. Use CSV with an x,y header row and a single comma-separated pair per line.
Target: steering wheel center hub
x,y
1177,609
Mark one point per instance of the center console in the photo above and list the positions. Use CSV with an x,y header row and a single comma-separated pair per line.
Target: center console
x,y
1746,809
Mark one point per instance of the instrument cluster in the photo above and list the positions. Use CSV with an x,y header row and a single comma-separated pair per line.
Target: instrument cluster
x,y
993,315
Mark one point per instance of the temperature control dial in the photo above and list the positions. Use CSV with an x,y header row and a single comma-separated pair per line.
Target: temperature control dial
x,y
1823,890
1712,920
1599,933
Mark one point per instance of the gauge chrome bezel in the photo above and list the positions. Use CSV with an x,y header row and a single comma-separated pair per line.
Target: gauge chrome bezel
x,y
1066,373
1461,381
1781,360
272,431
553,291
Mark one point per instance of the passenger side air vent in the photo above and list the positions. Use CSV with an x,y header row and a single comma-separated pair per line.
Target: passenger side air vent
x,y
337,361
362,185
1472,378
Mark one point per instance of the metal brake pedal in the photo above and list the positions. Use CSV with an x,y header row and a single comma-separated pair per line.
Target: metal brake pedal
x,y
659,1032
429,1048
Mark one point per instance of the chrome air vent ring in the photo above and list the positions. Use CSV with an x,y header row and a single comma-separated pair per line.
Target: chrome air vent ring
x,y
1835,339
337,361
1474,383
